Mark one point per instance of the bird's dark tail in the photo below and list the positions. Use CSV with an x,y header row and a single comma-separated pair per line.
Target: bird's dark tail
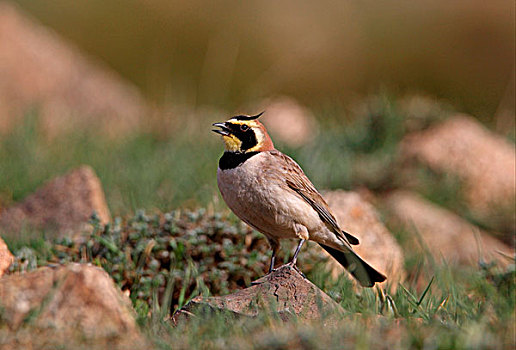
x,y
351,239
362,271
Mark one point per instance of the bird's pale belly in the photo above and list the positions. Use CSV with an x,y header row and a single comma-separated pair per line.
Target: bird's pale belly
x,y
264,205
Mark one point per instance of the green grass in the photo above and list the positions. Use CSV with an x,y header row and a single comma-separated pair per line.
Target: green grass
x,y
151,171
138,171
166,259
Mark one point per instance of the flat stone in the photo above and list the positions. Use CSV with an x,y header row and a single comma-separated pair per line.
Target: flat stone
x,y
284,291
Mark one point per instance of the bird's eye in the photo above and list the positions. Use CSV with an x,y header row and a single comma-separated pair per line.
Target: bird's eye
x,y
244,127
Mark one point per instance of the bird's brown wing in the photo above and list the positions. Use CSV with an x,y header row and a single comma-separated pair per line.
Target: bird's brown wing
x,y
297,181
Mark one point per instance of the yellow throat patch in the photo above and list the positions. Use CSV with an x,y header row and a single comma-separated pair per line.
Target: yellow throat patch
x,y
232,143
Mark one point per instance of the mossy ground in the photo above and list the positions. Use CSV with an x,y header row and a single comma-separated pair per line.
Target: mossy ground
x,y
165,260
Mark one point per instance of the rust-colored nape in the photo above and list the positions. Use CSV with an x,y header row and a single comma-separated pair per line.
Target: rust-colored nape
x,y
266,143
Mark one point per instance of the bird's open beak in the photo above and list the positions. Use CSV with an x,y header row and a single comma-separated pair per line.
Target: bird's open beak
x,y
224,131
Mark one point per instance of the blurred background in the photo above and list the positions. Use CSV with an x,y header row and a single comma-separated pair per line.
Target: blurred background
x,y
132,87
409,106
229,53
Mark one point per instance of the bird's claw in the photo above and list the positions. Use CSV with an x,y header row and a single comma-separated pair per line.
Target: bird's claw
x,y
293,265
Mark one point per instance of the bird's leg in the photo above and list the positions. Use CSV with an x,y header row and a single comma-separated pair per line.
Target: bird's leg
x,y
294,259
275,247
273,260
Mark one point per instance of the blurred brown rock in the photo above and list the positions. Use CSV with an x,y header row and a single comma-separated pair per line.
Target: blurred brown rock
x,y
377,246
40,71
64,204
73,305
484,161
289,122
6,258
421,111
284,290
445,234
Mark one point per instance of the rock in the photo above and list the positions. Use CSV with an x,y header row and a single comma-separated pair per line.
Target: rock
x,y
377,246
64,205
66,306
483,161
284,291
39,70
6,258
446,235
289,122
421,111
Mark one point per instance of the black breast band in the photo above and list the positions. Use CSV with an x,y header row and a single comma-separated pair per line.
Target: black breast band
x,y
231,160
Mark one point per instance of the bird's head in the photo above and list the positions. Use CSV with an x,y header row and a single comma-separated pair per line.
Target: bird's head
x,y
243,134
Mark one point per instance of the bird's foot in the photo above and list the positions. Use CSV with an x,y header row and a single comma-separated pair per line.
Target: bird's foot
x,y
257,282
260,279
293,265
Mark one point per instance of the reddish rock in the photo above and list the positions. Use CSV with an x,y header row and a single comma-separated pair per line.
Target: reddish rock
x,y
288,121
446,235
421,111
284,291
483,161
6,258
377,246
64,205
66,306
38,69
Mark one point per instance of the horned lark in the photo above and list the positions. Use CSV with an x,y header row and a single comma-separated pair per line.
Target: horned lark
x,y
269,191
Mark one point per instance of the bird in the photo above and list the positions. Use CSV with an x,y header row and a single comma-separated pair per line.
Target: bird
x,y
270,192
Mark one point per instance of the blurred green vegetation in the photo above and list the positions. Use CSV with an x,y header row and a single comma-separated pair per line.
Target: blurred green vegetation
x,y
356,147
353,148
140,171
